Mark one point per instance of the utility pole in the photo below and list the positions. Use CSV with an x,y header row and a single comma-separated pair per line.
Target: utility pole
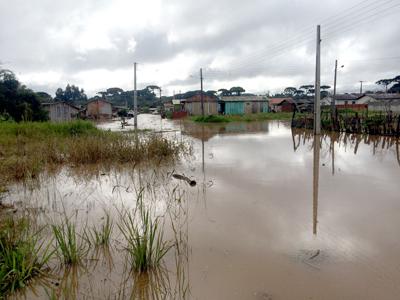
x,y
135,98
361,82
201,95
317,101
334,89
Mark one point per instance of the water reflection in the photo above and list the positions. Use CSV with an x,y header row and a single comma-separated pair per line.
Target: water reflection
x,y
315,182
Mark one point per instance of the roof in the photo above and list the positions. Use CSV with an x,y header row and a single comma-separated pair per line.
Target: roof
x,y
345,97
277,101
197,98
103,100
60,102
244,98
384,96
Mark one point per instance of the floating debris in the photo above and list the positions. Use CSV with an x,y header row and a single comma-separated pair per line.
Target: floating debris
x,y
182,177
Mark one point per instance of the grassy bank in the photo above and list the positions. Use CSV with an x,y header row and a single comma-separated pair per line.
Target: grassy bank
x,y
243,118
26,149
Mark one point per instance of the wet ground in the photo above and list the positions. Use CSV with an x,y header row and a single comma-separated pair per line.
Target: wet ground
x,y
275,214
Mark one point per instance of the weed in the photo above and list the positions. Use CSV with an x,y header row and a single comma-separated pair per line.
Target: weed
x,y
69,246
145,239
22,255
102,236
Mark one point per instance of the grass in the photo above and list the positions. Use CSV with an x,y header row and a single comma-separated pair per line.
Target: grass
x,y
145,238
243,118
101,236
23,255
70,248
27,149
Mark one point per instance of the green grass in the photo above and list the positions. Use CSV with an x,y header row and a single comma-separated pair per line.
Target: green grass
x,y
145,239
101,236
70,247
243,118
23,255
27,149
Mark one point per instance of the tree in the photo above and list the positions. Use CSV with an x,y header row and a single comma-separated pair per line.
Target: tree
x,y
290,91
308,89
384,82
237,90
72,94
44,97
18,101
325,87
224,92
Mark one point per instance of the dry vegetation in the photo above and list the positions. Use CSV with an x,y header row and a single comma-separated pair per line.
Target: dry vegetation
x,y
26,149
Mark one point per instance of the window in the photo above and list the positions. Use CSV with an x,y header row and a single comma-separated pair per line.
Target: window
x,y
346,102
353,102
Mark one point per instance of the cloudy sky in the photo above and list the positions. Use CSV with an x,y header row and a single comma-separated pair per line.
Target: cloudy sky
x,y
258,44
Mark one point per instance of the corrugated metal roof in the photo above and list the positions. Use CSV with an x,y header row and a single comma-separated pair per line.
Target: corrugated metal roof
x,y
246,98
277,101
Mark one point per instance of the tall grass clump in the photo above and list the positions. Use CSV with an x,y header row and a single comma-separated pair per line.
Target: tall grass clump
x,y
70,247
145,239
101,236
23,255
27,149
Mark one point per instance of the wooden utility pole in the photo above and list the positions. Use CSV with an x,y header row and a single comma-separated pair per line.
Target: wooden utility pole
x,y
135,98
361,82
201,92
317,100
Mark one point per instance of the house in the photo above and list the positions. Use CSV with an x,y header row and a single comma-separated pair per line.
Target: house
x,y
343,99
281,104
192,105
383,102
245,104
61,111
99,109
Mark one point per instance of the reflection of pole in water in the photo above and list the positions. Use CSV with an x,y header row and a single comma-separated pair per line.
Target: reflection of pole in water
x,y
202,149
315,182
203,166
333,154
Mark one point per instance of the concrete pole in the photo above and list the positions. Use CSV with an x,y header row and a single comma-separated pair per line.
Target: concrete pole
x,y
361,82
334,88
201,95
317,101
135,98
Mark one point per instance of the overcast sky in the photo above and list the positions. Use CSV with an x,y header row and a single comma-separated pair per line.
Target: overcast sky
x,y
257,44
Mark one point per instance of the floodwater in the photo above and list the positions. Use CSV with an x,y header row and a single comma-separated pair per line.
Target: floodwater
x,y
275,214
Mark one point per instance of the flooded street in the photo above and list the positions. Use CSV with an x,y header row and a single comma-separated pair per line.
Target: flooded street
x,y
274,214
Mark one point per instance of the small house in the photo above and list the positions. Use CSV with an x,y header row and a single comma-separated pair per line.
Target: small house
x,y
281,104
383,102
61,111
246,104
193,105
99,109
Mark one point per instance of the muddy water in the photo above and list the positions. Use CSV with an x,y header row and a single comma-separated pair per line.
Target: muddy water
x,y
276,214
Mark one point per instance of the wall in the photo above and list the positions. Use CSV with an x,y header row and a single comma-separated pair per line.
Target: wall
x,y
61,112
194,108
234,108
99,110
395,107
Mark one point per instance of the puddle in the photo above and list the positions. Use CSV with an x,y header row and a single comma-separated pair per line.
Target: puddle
x,y
274,215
